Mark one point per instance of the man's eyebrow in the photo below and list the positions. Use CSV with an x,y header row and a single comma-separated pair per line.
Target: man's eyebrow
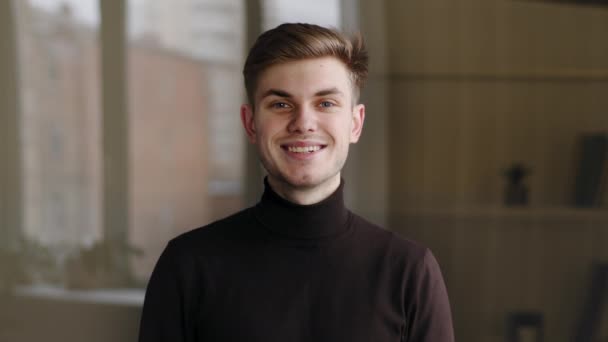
x,y
282,93
330,91
276,92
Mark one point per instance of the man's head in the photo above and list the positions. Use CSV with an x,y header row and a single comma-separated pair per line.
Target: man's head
x,y
292,42
303,83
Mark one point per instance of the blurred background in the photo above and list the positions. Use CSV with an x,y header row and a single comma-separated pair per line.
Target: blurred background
x,y
486,139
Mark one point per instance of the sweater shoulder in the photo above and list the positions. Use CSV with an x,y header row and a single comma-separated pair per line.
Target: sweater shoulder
x,y
212,233
400,246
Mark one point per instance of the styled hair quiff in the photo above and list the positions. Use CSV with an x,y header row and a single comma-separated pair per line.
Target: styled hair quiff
x,y
297,41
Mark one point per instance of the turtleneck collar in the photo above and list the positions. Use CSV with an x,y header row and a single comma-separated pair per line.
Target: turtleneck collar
x,y
324,219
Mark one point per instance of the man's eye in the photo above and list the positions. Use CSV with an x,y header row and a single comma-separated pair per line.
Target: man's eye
x,y
280,105
326,104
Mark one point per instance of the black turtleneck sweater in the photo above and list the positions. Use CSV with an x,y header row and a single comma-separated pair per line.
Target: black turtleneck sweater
x,y
291,273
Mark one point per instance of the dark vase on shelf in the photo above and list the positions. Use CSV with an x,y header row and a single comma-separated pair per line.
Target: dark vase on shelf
x,y
592,173
516,192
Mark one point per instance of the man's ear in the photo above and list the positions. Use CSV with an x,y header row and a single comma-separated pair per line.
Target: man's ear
x,y
248,123
358,119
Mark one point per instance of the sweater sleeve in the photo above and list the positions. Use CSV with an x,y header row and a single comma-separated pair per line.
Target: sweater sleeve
x,y
165,313
429,317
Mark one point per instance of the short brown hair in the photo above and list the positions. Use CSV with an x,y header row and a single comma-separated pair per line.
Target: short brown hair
x,y
297,41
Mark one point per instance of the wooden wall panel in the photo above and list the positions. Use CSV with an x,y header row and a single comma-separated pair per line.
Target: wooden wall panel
x,y
495,35
452,141
475,85
500,261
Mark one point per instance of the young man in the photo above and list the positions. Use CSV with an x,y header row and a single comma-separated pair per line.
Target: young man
x,y
298,266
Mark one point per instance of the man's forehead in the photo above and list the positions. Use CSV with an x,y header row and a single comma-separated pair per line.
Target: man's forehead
x,y
311,77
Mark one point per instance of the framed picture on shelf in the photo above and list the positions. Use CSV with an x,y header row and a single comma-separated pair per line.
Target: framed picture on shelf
x,y
525,326
593,320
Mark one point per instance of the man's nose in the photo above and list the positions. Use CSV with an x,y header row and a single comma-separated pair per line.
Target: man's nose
x,y
304,120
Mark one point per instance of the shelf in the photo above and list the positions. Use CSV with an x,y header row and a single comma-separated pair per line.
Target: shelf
x,y
128,297
506,212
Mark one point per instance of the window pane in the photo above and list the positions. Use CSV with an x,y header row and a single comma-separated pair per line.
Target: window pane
x,y
58,68
320,12
186,141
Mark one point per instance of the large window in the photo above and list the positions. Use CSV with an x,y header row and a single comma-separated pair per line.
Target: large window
x,y
59,92
185,140
182,138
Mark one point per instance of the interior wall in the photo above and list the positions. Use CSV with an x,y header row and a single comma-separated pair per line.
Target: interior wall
x,y
366,171
30,319
478,85
474,86
502,262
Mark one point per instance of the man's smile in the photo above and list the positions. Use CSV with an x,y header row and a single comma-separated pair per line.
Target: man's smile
x,y
307,149
303,146
302,149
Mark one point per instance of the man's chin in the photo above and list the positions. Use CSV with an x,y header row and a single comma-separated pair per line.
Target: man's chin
x,y
305,181
302,182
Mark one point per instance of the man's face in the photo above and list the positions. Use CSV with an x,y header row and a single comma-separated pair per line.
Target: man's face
x,y
303,122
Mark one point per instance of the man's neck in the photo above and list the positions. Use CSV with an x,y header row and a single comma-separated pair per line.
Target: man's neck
x,y
305,196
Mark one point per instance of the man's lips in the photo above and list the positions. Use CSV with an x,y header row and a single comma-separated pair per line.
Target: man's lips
x,y
303,147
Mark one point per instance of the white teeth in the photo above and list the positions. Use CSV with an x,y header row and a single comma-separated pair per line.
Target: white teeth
x,y
306,149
